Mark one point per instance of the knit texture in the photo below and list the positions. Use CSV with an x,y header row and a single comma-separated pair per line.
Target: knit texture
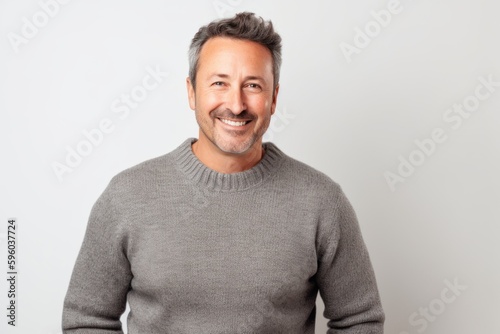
x,y
197,251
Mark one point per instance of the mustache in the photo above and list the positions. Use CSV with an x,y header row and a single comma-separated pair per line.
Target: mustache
x,y
226,113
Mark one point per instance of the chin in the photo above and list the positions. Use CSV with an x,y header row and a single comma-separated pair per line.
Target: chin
x,y
235,147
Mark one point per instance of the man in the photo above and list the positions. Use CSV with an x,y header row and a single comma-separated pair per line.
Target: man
x,y
225,234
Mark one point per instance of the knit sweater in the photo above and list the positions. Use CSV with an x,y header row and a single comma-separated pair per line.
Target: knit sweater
x,y
197,251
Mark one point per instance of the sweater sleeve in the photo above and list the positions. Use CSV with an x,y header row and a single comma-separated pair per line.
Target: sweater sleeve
x,y
345,277
97,292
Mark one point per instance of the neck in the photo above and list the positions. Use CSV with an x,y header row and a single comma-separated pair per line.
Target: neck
x,y
227,163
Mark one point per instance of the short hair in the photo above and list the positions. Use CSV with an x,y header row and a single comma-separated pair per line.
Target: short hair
x,y
245,26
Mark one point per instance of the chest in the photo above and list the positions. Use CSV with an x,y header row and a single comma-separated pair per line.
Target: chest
x,y
219,248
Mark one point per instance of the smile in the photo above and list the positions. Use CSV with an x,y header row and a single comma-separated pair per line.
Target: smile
x,y
233,123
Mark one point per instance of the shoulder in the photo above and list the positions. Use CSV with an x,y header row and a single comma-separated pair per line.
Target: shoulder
x,y
156,169
144,177
301,174
147,169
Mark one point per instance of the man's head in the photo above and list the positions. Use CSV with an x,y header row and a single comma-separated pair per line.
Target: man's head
x,y
233,83
244,26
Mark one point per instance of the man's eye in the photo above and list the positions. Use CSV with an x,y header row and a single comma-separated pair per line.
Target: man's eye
x,y
218,83
254,86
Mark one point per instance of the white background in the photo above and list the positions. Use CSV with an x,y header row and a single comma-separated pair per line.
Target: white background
x,y
350,118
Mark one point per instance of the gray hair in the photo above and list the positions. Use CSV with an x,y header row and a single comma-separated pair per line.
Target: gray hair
x,y
244,26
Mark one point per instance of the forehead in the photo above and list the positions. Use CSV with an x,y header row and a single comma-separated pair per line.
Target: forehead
x,y
231,52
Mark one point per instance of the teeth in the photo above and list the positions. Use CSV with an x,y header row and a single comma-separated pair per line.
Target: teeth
x,y
232,122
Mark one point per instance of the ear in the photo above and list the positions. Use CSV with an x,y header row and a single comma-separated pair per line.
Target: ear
x,y
191,94
275,99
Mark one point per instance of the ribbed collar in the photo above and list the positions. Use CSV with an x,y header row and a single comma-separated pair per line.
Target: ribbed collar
x,y
213,180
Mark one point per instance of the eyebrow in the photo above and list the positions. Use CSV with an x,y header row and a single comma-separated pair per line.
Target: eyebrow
x,y
226,76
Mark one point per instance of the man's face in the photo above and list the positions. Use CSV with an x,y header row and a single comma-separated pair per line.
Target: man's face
x,y
234,96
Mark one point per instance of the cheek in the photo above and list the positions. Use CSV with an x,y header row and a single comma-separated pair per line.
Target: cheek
x,y
208,101
262,106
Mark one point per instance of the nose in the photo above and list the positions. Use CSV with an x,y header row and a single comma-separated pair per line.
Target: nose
x,y
236,101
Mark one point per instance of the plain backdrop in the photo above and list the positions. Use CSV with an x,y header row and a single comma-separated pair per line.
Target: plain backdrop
x,y
371,95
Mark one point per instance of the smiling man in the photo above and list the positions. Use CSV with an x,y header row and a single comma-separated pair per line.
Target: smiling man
x,y
233,92
225,234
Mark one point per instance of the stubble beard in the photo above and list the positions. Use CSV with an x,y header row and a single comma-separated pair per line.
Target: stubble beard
x,y
234,145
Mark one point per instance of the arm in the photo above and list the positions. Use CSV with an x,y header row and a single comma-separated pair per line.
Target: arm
x,y
97,292
345,275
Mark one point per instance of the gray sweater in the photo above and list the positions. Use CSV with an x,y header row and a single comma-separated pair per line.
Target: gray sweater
x,y
196,251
